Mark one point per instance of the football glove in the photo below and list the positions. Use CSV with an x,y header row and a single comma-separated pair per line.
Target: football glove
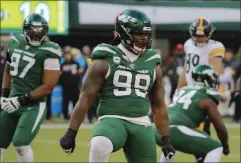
x,y
67,142
167,147
10,104
13,103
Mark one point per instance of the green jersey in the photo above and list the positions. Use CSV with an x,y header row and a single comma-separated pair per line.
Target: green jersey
x,y
127,83
27,63
185,109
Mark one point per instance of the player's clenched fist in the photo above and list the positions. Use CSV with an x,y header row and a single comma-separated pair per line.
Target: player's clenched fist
x,y
67,142
226,150
167,148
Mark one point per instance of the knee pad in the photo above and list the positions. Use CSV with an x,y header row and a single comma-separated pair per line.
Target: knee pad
x,y
22,150
101,144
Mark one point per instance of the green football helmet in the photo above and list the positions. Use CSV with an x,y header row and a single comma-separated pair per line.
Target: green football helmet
x,y
205,75
35,29
130,24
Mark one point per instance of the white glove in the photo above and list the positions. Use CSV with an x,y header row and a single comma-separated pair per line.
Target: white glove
x,y
10,104
3,101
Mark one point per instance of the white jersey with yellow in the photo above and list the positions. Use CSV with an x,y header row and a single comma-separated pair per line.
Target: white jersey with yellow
x,y
196,55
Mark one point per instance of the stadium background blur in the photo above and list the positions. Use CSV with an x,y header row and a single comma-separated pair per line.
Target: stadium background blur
x,y
78,26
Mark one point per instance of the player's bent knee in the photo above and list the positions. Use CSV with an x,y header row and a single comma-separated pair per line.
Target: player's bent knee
x,y
22,150
101,144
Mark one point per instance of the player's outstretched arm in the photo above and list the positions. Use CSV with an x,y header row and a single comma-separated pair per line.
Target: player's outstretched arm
x,y
92,84
160,116
217,121
158,105
6,83
182,79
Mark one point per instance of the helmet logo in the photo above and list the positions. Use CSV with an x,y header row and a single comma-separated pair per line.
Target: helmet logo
x,y
128,41
209,72
37,23
146,28
127,18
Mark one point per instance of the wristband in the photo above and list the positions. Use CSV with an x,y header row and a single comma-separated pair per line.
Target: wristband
x,y
70,132
25,99
5,92
165,140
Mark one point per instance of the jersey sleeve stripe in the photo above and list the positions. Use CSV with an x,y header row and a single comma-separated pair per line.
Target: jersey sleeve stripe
x,y
217,52
104,49
52,50
154,57
14,38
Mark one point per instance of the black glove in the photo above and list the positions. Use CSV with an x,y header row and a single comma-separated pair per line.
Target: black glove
x,y
226,150
67,142
167,147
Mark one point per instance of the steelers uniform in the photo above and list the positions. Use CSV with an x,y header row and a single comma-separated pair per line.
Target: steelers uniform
x,y
196,55
27,65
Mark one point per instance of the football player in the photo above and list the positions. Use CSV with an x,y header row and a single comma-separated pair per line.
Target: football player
x,y
201,49
127,77
190,106
31,73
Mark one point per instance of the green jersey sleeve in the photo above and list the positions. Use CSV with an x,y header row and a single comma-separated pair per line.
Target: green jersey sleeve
x,y
215,95
52,49
102,51
154,57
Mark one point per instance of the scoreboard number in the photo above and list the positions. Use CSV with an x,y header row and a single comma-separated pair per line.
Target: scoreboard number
x,y
41,8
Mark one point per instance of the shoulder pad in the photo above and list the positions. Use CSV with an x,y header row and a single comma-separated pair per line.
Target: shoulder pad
x,y
215,95
153,56
216,49
103,51
187,43
53,48
16,38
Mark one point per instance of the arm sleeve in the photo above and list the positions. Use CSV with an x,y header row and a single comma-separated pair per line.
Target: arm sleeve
x,y
52,64
218,50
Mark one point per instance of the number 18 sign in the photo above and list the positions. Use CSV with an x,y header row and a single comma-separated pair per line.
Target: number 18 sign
x,y
14,12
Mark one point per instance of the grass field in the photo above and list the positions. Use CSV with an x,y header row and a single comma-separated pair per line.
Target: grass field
x,y
46,147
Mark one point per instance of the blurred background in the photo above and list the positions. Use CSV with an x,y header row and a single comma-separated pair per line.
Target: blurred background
x,y
78,26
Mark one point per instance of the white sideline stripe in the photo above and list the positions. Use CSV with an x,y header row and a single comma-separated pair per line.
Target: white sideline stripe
x,y
236,137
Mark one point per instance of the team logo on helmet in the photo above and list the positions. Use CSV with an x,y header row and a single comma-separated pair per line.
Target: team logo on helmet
x,y
127,18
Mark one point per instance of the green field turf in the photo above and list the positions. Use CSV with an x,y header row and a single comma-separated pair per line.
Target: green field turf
x,y
46,148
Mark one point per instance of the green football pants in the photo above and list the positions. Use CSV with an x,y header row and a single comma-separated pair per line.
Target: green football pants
x,y
21,126
137,141
189,140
